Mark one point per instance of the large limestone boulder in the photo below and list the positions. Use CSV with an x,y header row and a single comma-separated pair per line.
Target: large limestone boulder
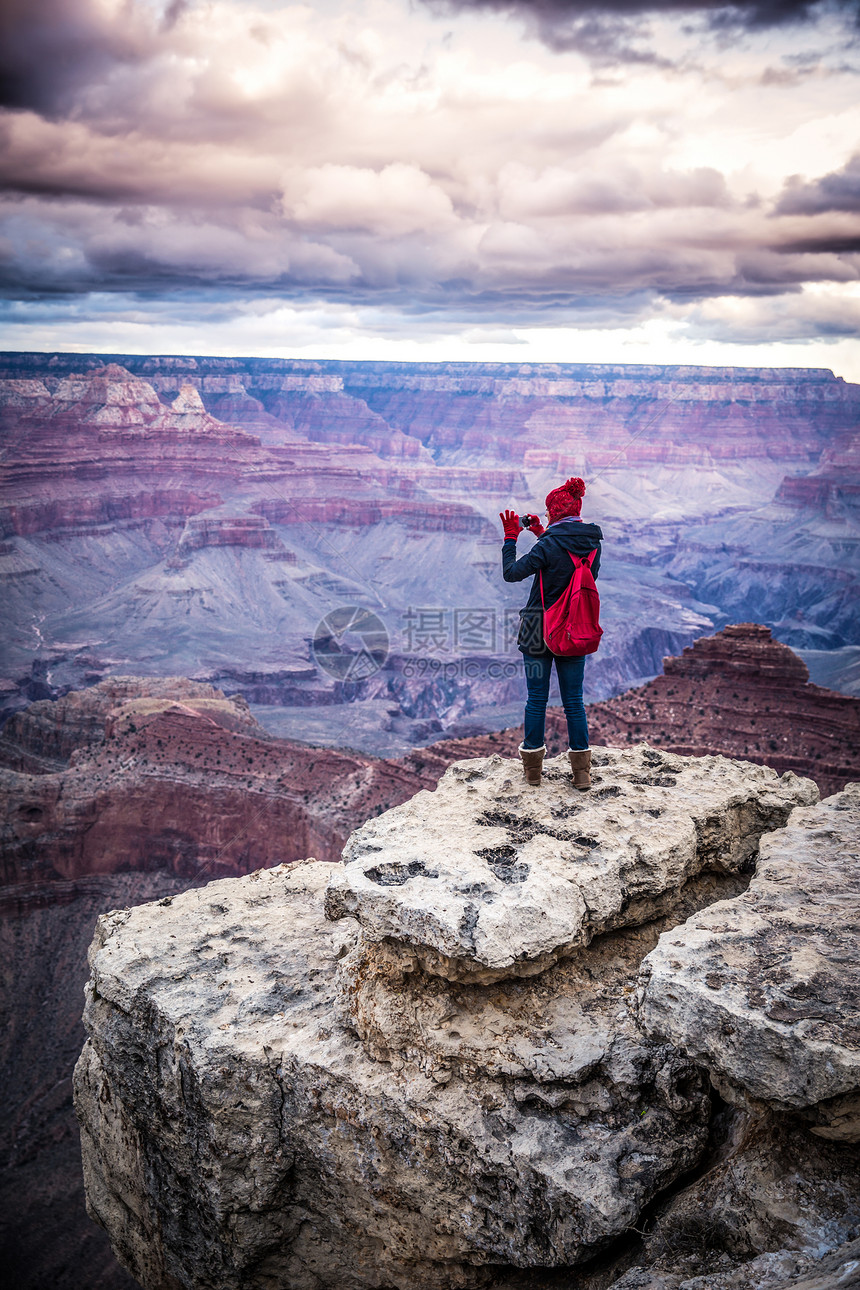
x,y
314,1079
764,990
486,878
236,1133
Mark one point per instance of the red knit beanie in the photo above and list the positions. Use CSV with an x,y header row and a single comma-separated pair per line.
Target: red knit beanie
x,y
566,500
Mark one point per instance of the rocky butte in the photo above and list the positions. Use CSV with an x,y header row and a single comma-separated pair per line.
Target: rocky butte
x,y
137,775
738,693
743,694
515,1029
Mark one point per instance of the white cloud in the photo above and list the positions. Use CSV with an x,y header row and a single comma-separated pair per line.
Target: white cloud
x,y
391,202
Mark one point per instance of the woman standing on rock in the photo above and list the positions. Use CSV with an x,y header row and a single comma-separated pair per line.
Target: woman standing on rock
x,y
565,535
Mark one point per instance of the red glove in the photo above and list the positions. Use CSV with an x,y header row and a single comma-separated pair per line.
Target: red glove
x,y
511,524
535,527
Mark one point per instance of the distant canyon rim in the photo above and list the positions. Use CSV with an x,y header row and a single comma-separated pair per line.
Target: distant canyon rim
x,y
215,518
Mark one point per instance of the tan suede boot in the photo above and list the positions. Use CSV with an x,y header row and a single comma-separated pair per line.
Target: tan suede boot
x,y
532,763
580,764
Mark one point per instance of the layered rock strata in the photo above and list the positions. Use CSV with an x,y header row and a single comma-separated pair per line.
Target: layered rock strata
x,y
138,774
268,1096
406,409
141,534
833,488
176,515
742,694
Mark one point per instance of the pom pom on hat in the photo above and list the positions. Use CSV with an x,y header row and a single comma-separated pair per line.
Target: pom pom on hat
x,y
566,500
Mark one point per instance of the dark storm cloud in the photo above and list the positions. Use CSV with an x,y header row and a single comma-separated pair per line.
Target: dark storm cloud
x,y
556,264
847,244
838,191
754,14
51,50
616,32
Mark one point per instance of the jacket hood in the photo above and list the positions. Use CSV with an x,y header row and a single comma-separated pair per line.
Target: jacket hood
x,y
573,535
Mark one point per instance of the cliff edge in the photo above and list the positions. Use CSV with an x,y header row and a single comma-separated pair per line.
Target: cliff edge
x,y
490,1042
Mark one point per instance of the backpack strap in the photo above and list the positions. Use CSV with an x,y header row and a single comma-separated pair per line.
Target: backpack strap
x,y
586,559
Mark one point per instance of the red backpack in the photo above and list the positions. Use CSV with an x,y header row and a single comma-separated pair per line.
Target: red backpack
x,y
571,625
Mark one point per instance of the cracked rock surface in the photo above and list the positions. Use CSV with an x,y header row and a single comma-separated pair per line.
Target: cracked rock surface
x,y
778,1207
236,1134
487,878
764,990
271,1096
572,1023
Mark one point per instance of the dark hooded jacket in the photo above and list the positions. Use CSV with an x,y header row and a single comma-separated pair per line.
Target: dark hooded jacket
x,y
550,555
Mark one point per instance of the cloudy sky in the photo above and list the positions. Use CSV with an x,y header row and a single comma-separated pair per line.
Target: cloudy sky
x,y
433,179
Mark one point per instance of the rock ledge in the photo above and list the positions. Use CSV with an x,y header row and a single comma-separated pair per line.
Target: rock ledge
x,y
764,990
269,1096
487,878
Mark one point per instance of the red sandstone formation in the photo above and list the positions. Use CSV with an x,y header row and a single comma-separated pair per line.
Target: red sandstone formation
x,y
97,448
739,693
833,488
136,775
132,791
444,517
742,694
552,417
129,791
329,416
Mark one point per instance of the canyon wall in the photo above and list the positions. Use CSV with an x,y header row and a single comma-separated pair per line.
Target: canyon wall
x,y
137,776
203,516
131,790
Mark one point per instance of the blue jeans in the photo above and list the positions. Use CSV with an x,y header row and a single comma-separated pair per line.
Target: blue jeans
x,y
538,673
